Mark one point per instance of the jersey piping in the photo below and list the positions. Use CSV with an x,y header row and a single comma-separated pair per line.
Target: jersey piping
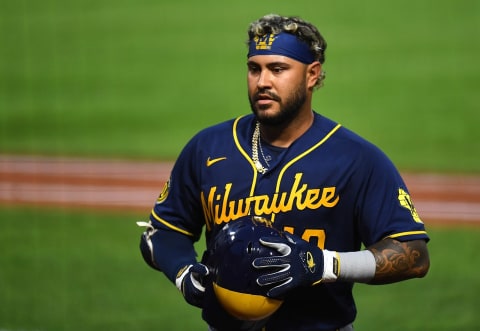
x,y
279,180
173,227
245,154
408,233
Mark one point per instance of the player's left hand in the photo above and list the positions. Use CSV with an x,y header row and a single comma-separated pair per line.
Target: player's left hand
x,y
300,264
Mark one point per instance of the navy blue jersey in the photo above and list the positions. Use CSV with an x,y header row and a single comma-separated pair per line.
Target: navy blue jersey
x,y
331,187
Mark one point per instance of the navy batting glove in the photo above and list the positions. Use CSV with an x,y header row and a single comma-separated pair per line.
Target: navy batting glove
x,y
190,282
300,264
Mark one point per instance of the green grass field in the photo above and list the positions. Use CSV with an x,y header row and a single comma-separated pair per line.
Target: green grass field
x,y
72,270
136,79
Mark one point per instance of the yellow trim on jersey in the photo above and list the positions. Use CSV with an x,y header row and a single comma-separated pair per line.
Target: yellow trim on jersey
x,y
173,227
408,233
245,154
279,181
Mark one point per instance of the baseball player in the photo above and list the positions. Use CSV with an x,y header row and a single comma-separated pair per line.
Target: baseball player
x,y
345,205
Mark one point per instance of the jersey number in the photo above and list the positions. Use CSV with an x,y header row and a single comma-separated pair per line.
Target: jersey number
x,y
310,235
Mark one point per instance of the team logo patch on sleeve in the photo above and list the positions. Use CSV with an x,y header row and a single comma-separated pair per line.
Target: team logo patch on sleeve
x,y
164,193
406,202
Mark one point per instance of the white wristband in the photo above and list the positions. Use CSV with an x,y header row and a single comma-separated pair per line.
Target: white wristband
x,y
330,266
357,267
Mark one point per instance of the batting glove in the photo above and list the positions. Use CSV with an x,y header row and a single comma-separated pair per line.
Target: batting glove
x,y
300,264
189,281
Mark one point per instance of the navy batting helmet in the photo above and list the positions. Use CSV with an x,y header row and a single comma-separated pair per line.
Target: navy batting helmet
x,y
234,278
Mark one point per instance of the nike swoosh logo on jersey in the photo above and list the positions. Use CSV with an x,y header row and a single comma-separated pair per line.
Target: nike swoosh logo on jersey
x,y
210,162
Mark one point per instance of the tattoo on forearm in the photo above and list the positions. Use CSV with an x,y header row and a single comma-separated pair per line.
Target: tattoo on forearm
x,y
398,260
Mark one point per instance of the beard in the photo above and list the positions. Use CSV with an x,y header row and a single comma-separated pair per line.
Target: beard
x,y
289,108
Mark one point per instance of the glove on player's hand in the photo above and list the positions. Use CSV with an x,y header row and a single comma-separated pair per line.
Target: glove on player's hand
x,y
300,264
189,281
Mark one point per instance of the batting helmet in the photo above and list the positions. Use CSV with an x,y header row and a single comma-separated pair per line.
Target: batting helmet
x,y
234,278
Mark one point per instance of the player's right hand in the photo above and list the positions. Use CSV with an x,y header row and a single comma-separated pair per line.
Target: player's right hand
x,y
299,264
190,282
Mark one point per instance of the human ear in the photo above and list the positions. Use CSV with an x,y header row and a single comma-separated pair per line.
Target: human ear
x,y
313,73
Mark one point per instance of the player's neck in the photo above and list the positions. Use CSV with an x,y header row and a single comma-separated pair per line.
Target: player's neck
x,y
285,135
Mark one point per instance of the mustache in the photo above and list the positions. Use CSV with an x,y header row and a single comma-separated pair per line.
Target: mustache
x,y
262,93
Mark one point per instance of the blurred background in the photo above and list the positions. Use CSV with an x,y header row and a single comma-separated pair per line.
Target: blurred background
x,y
126,80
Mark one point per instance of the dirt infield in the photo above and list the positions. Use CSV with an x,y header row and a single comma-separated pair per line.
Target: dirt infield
x,y
128,185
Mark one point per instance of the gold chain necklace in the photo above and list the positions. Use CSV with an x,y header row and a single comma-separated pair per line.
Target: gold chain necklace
x,y
255,143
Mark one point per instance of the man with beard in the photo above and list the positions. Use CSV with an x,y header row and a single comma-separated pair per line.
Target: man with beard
x,y
327,190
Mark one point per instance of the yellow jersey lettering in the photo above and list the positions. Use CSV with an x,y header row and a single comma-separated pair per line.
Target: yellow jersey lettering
x,y
219,208
261,205
329,199
296,194
208,207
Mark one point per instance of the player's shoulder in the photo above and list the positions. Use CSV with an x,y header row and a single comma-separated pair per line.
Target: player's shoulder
x,y
344,134
220,136
226,128
346,141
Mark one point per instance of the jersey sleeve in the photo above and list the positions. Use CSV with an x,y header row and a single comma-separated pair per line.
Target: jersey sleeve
x,y
177,207
384,206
